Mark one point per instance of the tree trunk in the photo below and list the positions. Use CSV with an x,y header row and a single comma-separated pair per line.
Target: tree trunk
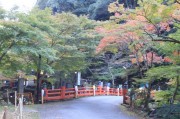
x,y
152,58
60,82
20,85
112,76
145,61
148,96
38,79
176,90
138,63
131,98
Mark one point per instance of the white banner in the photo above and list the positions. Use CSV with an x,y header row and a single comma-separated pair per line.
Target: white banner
x,y
79,78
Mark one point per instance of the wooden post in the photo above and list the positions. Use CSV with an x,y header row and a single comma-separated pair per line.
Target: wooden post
x,y
15,98
5,112
63,92
7,94
117,91
42,96
94,90
20,107
22,101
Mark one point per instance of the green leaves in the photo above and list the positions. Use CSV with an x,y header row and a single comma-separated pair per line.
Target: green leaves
x,y
63,41
164,72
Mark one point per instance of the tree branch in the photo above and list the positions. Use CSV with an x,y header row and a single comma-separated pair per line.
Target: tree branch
x,y
165,38
177,1
6,50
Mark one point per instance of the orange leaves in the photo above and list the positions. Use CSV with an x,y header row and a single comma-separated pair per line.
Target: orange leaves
x,y
150,28
167,59
134,60
176,13
105,42
176,53
150,57
141,18
110,39
164,26
153,57
117,34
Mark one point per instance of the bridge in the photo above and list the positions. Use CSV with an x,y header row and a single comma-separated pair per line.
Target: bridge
x,y
93,107
68,93
98,103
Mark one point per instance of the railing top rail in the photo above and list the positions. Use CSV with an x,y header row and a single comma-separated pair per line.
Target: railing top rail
x,y
54,90
70,89
66,93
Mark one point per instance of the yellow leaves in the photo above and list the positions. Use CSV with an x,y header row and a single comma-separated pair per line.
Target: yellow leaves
x,y
132,16
176,13
155,11
118,10
110,25
134,60
115,7
172,82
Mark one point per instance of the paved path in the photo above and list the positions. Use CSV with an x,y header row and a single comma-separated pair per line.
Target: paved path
x,y
100,107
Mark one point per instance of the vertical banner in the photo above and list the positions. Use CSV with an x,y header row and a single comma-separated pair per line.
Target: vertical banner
x,y
42,96
101,84
79,78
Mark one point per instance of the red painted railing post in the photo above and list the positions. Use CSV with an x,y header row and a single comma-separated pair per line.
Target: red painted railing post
x,y
118,91
63,90
94,90
107,89
100,90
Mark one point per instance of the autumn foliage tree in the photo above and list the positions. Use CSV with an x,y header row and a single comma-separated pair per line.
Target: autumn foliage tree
x,y
151,32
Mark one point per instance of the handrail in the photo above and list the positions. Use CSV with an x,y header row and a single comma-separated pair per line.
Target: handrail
x,y
67,93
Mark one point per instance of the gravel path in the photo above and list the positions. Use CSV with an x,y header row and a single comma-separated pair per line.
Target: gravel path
x,y
99,107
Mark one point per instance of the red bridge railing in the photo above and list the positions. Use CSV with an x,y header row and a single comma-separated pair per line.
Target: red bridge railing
x,y
68,93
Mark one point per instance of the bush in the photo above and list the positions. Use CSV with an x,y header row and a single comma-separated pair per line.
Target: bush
x,y
139,102
162,97
166,112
